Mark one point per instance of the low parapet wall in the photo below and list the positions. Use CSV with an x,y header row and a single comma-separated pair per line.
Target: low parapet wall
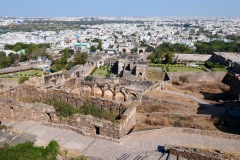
x,y
188,154
197,76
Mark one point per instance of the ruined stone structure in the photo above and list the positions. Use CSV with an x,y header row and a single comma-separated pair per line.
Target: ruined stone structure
x,y
231,60
11,109
233,80
85,124
88,125
141,50
141,69
80,71
129,65
55,79
113,95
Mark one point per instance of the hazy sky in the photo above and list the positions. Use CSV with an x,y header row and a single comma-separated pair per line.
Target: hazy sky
x,y
28,8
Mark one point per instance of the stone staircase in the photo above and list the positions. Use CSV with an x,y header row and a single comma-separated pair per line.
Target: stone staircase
x,y
152,155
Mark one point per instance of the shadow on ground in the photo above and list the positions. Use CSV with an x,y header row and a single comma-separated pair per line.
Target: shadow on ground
x,y
216,96
225,117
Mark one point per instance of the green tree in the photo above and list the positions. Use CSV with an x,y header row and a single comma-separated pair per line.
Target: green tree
x,y
80,58
169,57
100,45
13,57
93,49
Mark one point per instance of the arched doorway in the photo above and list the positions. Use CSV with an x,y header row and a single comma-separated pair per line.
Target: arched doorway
x,y
97,92
120,97
87,90
77,74
124,50
108,94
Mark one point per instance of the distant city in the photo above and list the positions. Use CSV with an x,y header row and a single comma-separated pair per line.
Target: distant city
x,y
124,88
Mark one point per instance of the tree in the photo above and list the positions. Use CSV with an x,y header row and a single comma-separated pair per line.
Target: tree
x,y
93,49
80,58
169,57
13,57
100,45
4,61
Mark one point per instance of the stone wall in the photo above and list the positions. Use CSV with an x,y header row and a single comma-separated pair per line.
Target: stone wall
x,y
191,155
197,76
86,124
233,80
32,94
11,110
91,126
128,121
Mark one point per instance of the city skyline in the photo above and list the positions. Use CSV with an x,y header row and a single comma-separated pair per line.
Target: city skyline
x,y
124,8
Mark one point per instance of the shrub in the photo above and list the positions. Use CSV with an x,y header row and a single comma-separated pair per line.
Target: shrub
x,y
167,69
63,109
27,151
89,78
183,79
23,79
90,109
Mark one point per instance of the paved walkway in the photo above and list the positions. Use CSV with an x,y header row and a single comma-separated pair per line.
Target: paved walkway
x,y
188,96
135,145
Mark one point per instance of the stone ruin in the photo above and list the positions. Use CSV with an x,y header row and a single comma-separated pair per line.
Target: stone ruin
x,y
117,95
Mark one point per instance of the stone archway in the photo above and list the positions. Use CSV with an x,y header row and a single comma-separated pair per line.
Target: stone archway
x,y
124,50
132,96
140,51
77,74
98,92
120,97
108,94
87,90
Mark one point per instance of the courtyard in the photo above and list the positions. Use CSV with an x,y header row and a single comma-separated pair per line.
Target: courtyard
x,y
101,72
16,76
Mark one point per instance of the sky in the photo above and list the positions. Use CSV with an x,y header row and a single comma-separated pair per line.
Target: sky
x,y
119,8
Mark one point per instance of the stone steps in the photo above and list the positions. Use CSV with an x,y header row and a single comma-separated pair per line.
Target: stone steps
x,y
164,156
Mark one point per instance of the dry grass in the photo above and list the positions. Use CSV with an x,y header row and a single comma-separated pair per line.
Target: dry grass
x,y
155,74
207,91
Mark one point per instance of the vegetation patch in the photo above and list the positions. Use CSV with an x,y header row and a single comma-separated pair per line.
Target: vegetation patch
x,y
90,109
27,151
100,72
184,69
63,109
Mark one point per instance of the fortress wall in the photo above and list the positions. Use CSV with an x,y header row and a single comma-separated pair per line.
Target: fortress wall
x,y
128,121
197,76
25,111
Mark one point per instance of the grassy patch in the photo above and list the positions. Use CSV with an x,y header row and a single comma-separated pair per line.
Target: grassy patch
x,y
90,109
63,109
21,76
219,69
183,69
27,151
100,72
